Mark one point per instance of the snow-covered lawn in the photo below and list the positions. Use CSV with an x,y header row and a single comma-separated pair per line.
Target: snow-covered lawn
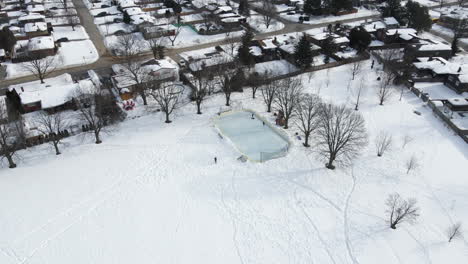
x,y
67,32
151,193
186,38
257,23
275,67
109,29
328,19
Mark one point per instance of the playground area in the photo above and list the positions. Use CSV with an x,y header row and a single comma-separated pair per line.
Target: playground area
x,y
251,136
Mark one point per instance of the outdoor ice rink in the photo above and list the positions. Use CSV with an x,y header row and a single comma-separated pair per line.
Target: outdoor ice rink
x,y
252,136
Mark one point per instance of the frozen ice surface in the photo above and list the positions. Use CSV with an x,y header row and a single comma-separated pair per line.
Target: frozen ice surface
x,y
251,136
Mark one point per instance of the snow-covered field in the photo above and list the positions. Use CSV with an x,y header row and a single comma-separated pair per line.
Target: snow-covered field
x,y
151,193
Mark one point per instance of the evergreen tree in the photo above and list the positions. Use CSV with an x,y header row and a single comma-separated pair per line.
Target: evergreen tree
x,y
329,47
311,5
338,5
245,57
418,16
303,52
454,46
126,18
7,39
393,9
244,8
359,38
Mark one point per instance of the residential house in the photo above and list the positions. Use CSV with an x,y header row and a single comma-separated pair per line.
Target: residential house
x,y
428,48
391,23
158,31
54,95
36,29
153,71
31,18
457,82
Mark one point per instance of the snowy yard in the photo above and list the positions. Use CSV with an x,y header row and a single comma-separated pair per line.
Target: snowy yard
x,y
186,38
67,32
70,54
329,19
258,24
151,193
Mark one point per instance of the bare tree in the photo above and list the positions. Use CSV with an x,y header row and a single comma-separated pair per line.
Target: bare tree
x,y
341,134
383,142
455,232
11,136
389,57
411,164
270,92
168,98
255,81
172,38
64,4
361,89
461,2
40,67
200,92
207,20
288,97
308,112
406,139
385,88
157,47
231,44
72,20
268,12
128,47
97,109
356,68
400,210
52,126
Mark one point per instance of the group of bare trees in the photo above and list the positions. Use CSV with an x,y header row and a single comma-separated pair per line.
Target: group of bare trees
x,y
339,132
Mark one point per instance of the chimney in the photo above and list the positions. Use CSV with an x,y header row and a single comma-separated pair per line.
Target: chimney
x,y
22,89
459,69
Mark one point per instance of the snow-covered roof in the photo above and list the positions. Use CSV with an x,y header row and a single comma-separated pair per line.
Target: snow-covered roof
x,y
126,3
440,66
40,43
232,19
341,40
268,43
35,8
255,50
37,26
374,26
458,101
131,11
401,31
150,67
141,18
390,21
54,92
31,16
163,11
223,9
435,46
463,78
